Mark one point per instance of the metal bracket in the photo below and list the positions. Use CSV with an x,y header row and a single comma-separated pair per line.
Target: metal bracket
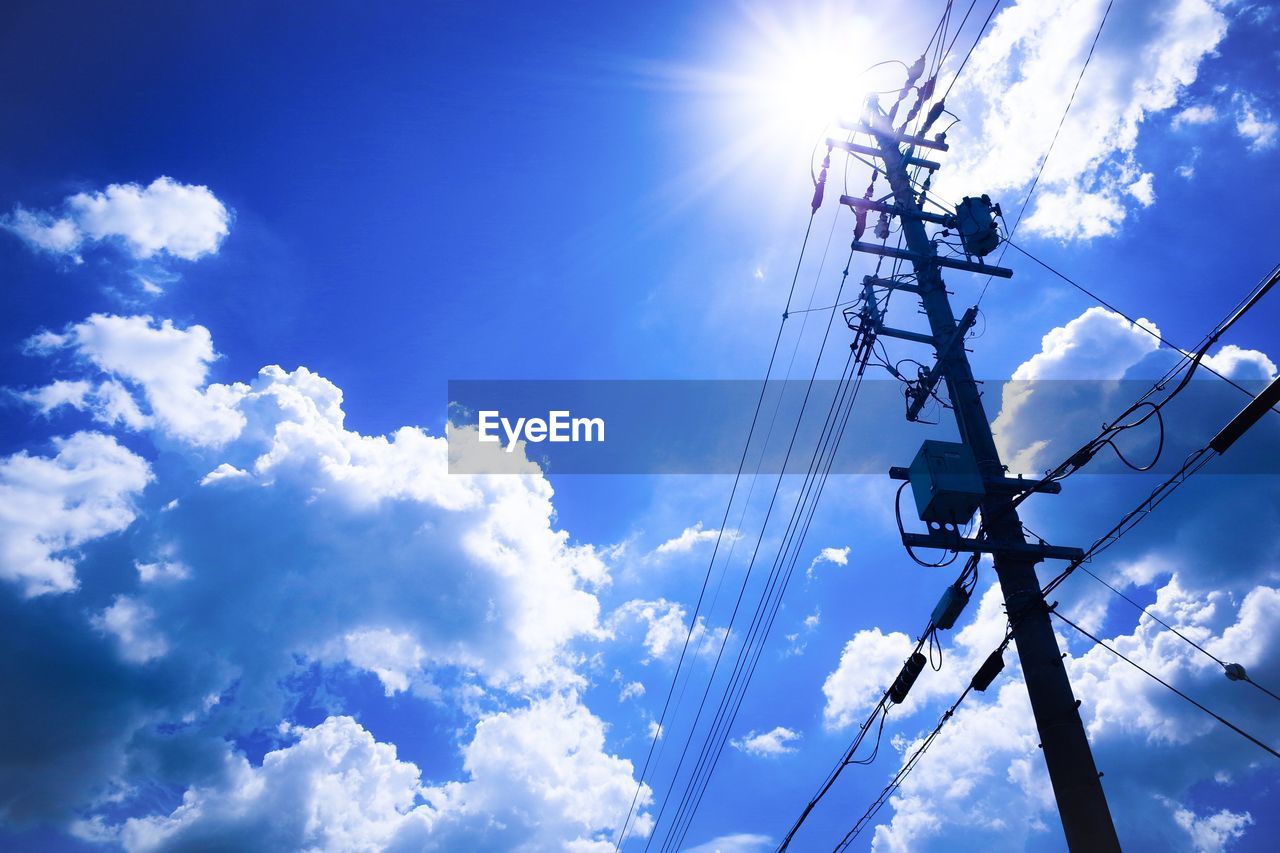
x,y
891,284
919,393
996,485
951,540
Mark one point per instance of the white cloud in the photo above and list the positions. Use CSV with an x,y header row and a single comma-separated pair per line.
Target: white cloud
x,y
665,628
738,842
1242,364
1195,114
161,570
394,657
837,556
690,537
167,365
1144,190
539,778
775,742
1019,80
1039,418
1254,123
132,623
165,218
869,662
44,232
1211,834
51,505
335,789
462,581
631,690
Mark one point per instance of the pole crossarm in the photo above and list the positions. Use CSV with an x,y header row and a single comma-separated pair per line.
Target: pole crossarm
x,y
950,540
906,138
928,257
894,210
866,151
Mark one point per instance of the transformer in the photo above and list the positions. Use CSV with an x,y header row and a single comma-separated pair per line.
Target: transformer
x,y
946,482
976,222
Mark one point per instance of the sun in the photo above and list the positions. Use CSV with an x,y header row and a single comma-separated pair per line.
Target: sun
x,y
766,92
801,76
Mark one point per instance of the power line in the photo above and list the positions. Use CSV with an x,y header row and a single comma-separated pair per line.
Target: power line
x,y
1257,293
622,833
1234,671
878,711
762,627
923,747
1045,159
685,798
972,47
1167,685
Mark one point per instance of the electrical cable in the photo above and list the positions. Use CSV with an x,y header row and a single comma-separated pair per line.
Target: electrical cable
x,y
745,669
1045,159
1167,685
972,47
1260,289
758,632
747,574
1219,661
622,833
914,759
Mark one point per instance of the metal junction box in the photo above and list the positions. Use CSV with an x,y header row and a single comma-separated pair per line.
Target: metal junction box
x,y
946,482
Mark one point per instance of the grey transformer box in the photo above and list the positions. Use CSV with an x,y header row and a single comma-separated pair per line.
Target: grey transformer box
x,y
946,483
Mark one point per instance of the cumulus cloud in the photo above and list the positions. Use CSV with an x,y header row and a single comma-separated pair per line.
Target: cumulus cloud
x,y
132,624
1212,833
51,505
542,769
165,218
777,741
690,537
837,556
631,690
1254,123
236,583
868,663
1195,114
336,788
537,779
666,627
394,657
166,366
1042,419
1014,90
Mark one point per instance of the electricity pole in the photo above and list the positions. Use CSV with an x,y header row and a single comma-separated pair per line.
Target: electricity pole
x,y
1082,805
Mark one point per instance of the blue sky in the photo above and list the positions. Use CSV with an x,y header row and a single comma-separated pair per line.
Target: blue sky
x,y
245,249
